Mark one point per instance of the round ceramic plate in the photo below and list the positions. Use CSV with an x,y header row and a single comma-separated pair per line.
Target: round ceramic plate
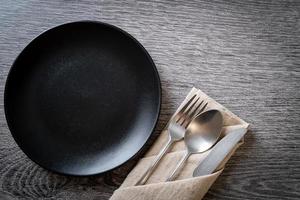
x,y
82,98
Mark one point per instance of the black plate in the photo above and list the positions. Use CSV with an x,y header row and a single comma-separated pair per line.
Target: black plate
x,y
82,98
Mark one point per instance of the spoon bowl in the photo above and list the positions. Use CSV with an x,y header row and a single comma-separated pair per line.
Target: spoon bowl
x,y
203,131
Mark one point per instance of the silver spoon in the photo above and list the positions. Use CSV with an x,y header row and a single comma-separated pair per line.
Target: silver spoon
x,y
201,134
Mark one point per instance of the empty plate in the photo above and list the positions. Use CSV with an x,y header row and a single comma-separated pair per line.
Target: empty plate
x,y
82,98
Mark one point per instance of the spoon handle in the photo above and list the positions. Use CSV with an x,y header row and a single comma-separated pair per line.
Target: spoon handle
x,y
179,166
147,174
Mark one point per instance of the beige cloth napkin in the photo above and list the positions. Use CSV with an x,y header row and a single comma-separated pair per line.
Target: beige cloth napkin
x,y
185,186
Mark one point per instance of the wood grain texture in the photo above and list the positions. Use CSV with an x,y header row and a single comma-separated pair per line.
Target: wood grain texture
x,y
244,54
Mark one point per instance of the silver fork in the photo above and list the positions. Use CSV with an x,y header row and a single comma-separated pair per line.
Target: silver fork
x,y
176,129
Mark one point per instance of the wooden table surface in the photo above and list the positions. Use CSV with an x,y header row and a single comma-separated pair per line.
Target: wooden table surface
x,y
246,55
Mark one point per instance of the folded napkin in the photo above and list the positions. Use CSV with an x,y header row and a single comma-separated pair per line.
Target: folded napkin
x,y
185,186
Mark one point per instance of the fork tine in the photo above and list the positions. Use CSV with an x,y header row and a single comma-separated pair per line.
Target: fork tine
x,y
181,111
195,110
189,108
195,113
202,109
186,112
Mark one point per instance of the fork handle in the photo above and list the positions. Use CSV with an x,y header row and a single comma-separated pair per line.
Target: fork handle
x,y
149,171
